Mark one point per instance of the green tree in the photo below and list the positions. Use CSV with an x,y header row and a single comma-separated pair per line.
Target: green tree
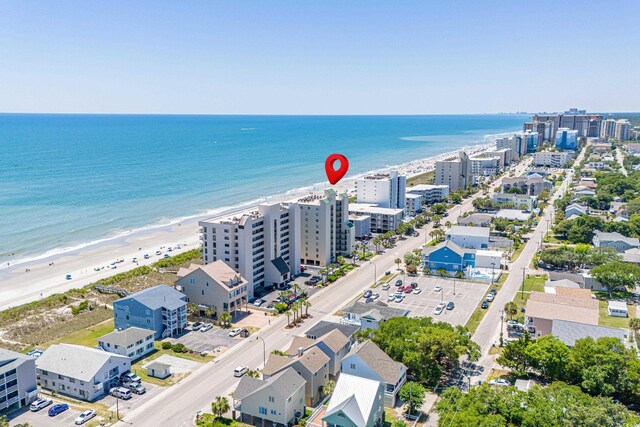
x,y
442,272
397,261
634,325
253,373
511,309
548,355
617,274
225,319
412,394
514,355
220,406
329,387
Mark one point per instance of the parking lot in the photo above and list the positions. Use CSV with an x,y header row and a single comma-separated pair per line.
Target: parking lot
x,y
467,297
205,341
41,418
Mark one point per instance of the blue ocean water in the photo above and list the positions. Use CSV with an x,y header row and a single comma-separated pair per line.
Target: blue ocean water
x,y
68,179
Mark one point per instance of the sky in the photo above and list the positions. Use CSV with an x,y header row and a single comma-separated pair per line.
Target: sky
x,y
318,57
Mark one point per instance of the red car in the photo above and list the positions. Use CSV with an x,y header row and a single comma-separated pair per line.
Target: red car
x,y
408,290
400,289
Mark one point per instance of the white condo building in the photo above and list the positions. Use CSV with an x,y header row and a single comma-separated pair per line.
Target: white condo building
x,y
384,190
326,231
515,143
623,130
483,165
430,193
262,245
382,219
556,159
608,129
452,172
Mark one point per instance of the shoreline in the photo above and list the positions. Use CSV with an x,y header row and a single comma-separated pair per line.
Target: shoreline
x,y
40,276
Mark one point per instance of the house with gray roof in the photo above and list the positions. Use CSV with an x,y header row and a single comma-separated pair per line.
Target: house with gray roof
x,y
614,240
569,332
469,237
370,315
312,364
367,360
160,308
323,327
355,402
131,342
477,219
334,344
18,386
81,372
277,400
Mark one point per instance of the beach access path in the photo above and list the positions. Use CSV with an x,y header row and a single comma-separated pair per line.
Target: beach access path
x,y
178,405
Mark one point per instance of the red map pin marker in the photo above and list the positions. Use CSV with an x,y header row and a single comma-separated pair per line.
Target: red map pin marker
x,y
336,175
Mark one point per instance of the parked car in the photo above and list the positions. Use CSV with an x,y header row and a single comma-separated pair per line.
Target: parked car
x,y
485,304
138,388
240,371
85,416
450,305
57,409
391,297
387,273
438,288
493,291
206,327
271,306
398,282
385,287
439,308
258,302
414,285
235,332
417,291
399,298
130,377
408,290
121,393
40,404
500,382
196,326
490,297
368,300
367,293
375,295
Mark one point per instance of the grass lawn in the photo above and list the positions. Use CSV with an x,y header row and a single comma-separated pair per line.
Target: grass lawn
x,y
532,283
390,416
208,420
479,312
517,252
614,322
87,337
423,178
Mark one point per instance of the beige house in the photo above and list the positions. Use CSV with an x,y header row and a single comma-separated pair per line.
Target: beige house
x,y
215,286
573,305
311,364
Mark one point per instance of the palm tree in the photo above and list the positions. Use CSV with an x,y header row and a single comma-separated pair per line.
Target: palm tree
x,y
295,288
329,387
307,304
397,261
459,274
442,272
254,373
340,260
220,406
288,313
193,310
447,224
634,325
377,241
323,273
225,318
511,309
426,271
209,312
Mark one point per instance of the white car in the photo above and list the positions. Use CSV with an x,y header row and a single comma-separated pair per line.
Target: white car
x,y
399,298
40,404
439,308
391,297
375,295
258,302
206,327
500,382
235,332
417,290
240,371
85,416
490,297
438,288
386,287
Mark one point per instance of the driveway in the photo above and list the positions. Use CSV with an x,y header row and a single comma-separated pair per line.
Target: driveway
x,y
205,341
466,298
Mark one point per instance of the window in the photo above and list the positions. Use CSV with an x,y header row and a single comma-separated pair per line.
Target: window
x,y
262,410
352,366
272,399
273,412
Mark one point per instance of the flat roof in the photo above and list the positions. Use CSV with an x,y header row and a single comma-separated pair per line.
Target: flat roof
x,y
464,230
372,208
617,305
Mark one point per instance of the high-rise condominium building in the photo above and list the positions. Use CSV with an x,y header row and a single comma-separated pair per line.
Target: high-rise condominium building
x,y
452,172
587,125
516,145
567,139
608,129
623,130
531,140
326,231
483,165
262,245
384,190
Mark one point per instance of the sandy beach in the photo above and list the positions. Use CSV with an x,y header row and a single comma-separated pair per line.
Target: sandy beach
x,y
23,282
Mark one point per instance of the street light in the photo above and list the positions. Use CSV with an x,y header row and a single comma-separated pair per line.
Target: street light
x,y
454,285
375,273
493,264
264,351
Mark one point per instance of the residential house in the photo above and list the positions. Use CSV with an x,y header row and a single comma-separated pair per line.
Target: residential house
x,y
277,400
468,237
531,185
334,344
430,193
543,309
569,332
159,370
161,309
355,402
514,215
575,209
516,201
631,256
371,315
614,240
617,309
477,219
311,364
367,360
18,386
449,256
323,327
214,286
131,342
81,372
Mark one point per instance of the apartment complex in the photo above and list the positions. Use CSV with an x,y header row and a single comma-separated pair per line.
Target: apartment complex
x,y
326,230
587,125
430,193
530,140
483,165
608,129
542,129
623,130
262,245
384,190
382,219
567,139
17,380
516,144
452,172
556,159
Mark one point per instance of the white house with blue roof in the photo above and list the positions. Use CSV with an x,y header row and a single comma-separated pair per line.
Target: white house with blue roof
x,y
161,309
449,256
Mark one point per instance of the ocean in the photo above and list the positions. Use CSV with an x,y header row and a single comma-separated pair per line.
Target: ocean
x,y
70,179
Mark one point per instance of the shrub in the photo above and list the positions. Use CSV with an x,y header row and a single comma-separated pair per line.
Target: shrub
x,y
179,348
166,345
281,307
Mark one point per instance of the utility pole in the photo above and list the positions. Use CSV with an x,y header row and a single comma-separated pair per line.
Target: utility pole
x,y
375,273
264,351
454,286
524,269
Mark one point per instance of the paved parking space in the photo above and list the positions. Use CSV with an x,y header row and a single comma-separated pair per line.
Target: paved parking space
x,y
205,341
42,418
467,297
135,401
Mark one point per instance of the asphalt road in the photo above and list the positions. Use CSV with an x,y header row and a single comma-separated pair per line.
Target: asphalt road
x,y
178,405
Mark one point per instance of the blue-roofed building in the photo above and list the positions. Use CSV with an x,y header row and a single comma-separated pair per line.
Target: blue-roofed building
x,y
161,309
449,256
567,139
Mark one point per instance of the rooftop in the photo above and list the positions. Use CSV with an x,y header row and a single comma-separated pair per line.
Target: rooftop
x,y
427,250
513,214
616,237
373,209
124,338
355,397
427,187
75,361
570,332
323,327
11,359
285,384
556,307
463,230
617,305
378,310
161,296
218,271
377,360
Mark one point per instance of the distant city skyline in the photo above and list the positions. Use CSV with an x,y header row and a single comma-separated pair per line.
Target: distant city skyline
x,y
330,57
